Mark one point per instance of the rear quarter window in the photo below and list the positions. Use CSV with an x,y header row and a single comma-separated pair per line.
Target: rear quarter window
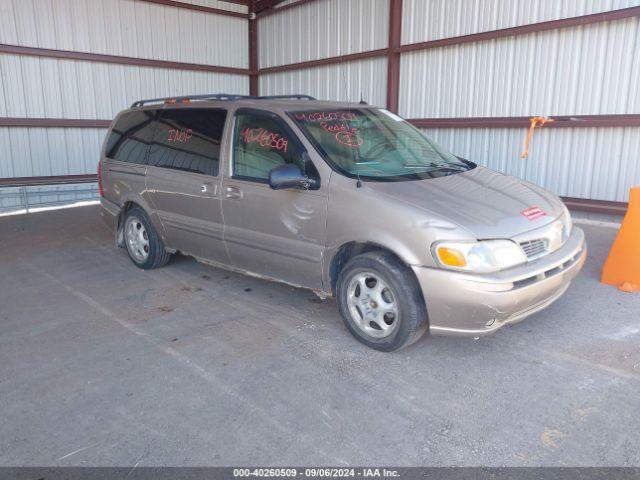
x,y
131,136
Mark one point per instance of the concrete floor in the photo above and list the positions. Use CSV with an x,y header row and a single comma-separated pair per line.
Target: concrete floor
x,y
105,364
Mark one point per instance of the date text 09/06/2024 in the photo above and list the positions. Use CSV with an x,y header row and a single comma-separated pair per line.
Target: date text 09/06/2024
x,y
316,472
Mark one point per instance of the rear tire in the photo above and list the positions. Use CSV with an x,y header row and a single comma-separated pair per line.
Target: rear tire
x,y
143,244
381,302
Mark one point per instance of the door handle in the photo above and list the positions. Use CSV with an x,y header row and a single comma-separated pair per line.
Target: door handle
x,y
208,187
233,193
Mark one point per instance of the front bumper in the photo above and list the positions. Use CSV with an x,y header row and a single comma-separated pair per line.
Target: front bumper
x,y
467,304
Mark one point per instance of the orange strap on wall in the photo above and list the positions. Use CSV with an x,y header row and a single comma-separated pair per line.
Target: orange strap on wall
x,y
536,122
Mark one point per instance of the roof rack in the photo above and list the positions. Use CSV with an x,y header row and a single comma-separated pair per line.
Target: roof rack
x,y
218,96
281,97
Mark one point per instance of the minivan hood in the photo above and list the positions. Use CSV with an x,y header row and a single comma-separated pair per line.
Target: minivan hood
x,y
487,203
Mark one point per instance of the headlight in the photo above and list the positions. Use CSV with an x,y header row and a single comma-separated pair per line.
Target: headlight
x,y
567,224
479,257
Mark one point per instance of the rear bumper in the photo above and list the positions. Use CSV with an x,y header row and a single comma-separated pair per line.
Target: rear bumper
x,y
109,212
475,305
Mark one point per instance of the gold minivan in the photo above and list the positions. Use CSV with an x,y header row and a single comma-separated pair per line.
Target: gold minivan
x,y
348,200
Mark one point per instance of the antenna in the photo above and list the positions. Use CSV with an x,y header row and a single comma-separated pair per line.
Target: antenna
x,y
346,90
344,84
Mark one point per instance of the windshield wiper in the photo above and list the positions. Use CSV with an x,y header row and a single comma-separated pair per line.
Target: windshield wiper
x,y
415,165
448,170
436,166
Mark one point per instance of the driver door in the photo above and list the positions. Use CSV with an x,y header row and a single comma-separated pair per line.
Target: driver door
x,y
274,233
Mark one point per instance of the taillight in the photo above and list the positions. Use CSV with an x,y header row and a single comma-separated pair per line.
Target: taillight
x,y
100,189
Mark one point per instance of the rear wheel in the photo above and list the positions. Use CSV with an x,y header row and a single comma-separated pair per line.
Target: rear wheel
x,y
381,302
144,246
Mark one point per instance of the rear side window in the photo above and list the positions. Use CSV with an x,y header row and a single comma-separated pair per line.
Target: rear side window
x,y
188,139
131,136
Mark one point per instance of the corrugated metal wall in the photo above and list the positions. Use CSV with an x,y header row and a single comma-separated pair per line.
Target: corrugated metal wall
x,y
349,81
577,71
425,20
129,28
49,151
587,70
598,163
39,87
322,29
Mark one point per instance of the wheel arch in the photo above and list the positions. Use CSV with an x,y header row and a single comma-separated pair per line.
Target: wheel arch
x,y
128,204
345,252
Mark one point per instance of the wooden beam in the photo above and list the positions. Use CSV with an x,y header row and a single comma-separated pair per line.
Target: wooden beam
x,y
246,3
49,180
393,57
101,58
576,121
352,57
254,85
596,206
53,122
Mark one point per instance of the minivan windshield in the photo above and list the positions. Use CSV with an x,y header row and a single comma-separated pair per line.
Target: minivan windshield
x,y
375,144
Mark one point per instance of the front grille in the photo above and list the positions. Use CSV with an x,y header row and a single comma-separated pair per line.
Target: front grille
x,y
534,248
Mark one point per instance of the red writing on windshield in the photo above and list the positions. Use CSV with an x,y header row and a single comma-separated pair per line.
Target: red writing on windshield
x,y
337,127
180,135
344,134
336,122
264,138
325,116
349,139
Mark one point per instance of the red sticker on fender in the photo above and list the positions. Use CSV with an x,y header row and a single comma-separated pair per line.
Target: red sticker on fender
x,y
532,213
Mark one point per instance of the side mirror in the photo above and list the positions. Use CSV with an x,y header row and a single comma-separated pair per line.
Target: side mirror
x,y
289,176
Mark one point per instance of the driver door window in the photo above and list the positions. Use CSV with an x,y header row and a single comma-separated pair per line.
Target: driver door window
x,y
261,143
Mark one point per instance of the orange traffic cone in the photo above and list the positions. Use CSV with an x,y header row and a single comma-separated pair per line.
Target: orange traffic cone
x,y
622,267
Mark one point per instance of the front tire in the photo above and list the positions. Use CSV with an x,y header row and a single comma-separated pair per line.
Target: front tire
x,y
381,302
143,244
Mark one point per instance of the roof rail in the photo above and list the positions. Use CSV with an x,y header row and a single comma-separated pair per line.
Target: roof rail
x,y
278,97
218,96
188,98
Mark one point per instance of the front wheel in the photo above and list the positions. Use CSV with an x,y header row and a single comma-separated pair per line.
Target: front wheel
x,y
144,246
381,302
